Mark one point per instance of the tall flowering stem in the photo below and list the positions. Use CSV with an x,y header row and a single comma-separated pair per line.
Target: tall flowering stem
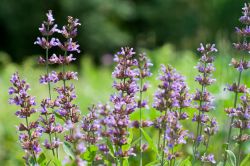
x,y
123,101
66,94
69,32
144,65
47,29
240,65
29,131
241,121
170,99
203,97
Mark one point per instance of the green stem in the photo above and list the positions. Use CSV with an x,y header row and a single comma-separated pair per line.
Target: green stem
x,y
240,144
50,96
199,126
159,139
174,157
141,84
206,147
63,68
29,133
50,139
121,161
231,121
164,142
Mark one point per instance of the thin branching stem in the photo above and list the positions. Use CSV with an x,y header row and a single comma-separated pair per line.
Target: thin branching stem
x,y
29,133
50,96
232,119
141,84
240,145
164,142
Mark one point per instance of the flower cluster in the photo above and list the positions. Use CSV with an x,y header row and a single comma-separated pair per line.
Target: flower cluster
x,y
63,105
49,125
91,126
172,92
241,65
171,97
66,109
66,94
241,116
208,158
205,124
29,131
244,31
174,134
69,32
103,111
144,65
124,100
47,29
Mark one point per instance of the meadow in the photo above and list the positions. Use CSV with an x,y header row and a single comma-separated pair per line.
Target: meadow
x,y
95,85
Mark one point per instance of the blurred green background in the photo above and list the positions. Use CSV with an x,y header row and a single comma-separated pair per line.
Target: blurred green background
x,y
167,30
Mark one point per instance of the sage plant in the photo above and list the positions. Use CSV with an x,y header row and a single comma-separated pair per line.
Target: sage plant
x,y
170,101
206,126
66,94
240,65
241,115
124,102
29,130
47,118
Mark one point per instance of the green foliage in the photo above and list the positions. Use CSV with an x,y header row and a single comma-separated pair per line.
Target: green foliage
x,y
186,162
150,141
90,154
231,157
57,162
42,159
245,161
68,150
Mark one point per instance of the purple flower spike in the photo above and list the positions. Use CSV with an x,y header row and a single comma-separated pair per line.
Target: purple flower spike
x,y
29,132
124,102
206,126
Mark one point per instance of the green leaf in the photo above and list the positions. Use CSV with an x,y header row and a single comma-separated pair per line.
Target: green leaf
x,y
68,150
59,116
131,136
57,162
125,162
220,164
232,158
48,163
125,147
150,141
90,154
111,148
245,161
32,161
153,163
225,146
135,141
41,159
185,162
